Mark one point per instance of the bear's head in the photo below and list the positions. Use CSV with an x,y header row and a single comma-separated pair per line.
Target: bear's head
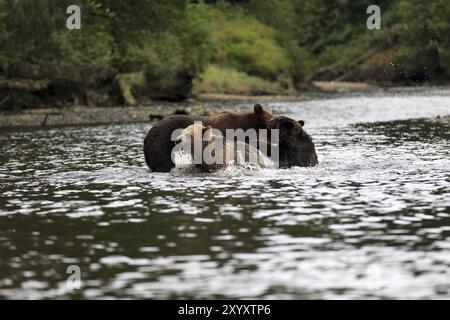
x,y
195,132
289,129
296,147
262,116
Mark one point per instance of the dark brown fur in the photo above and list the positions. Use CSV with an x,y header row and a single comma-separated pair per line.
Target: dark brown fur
x,y
158,145
296,147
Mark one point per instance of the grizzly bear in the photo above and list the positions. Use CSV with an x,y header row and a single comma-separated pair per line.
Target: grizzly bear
x,y
295,146
158,143
215,152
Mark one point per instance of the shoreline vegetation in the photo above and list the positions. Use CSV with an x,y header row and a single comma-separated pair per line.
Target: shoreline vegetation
x,y
202,104
215,48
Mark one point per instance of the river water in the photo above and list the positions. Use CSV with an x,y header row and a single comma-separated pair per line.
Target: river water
x,y
371,221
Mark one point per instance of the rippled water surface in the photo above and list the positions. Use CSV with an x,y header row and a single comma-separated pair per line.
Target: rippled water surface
x,y
371,221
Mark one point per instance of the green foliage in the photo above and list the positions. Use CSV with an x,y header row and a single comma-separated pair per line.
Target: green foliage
x,y
225,80
169,41
425,40
200,36
41,47
162,58
169,56
4,34
261,45
244,43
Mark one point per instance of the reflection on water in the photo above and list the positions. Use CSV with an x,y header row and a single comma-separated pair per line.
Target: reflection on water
x,y
372,220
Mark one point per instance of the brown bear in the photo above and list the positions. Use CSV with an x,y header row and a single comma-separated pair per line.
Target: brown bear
x,y
295,146
158,143
215,152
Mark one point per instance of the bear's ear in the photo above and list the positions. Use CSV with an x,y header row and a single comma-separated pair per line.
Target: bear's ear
x,y
207,132
204,129
258,108
301,122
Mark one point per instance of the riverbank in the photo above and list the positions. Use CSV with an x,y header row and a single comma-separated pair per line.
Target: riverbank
x,y
203,104
78,115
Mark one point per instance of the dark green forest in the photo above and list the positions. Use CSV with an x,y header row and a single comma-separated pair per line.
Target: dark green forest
x,y
129,52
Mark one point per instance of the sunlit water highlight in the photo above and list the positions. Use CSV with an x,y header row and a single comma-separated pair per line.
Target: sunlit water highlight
x,y
371,221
